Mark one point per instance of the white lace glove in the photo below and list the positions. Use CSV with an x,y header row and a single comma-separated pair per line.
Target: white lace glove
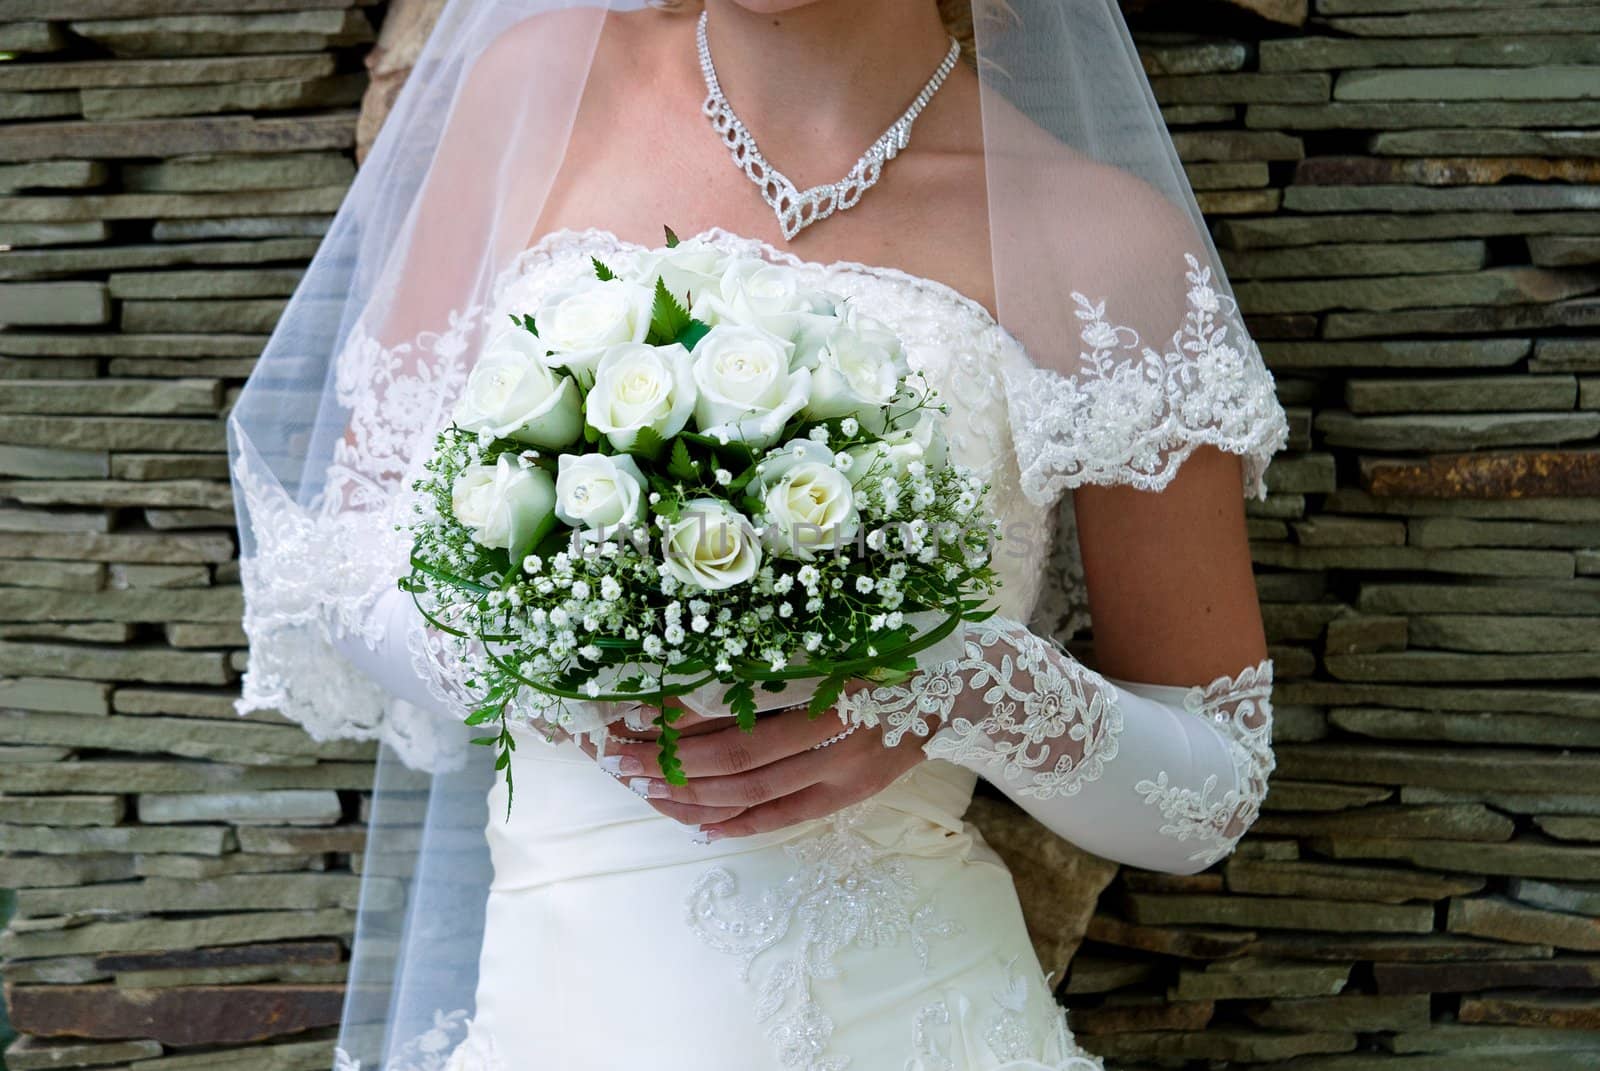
x,y
1157,776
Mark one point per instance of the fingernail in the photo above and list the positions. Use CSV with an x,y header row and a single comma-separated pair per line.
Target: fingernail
x,y
618,765
706,836
639,786
649,787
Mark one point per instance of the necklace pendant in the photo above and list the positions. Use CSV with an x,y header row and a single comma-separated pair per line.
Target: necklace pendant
x,y
794,208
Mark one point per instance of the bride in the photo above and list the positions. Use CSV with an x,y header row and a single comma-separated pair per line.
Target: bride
x,y
995,186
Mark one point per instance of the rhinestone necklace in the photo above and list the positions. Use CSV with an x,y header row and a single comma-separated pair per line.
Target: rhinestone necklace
x,y
797,209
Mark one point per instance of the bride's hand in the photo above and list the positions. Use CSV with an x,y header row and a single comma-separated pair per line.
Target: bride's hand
x,y
621,761
774,777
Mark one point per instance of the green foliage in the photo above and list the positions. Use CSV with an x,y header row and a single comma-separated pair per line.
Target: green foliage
x,y
667,757
741,700
682,466
601,272
647,443
668,319
672,239
826,695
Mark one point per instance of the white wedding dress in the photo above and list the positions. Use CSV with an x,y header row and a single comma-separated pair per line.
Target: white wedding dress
x,y
887,937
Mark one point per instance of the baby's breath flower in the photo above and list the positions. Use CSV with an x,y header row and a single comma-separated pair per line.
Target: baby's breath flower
x,y
818,434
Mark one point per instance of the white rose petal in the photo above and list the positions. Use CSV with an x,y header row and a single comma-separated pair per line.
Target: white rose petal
x,y
512,393
900,452
711,546
580,322
754,293
746,390
599,493
810,505
509,504
638,386
690,269
856,372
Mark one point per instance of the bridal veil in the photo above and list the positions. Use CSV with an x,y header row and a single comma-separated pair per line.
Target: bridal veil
x,y
1103,270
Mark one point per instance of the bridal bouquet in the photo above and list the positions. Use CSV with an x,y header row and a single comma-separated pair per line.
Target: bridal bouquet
x,y
692,473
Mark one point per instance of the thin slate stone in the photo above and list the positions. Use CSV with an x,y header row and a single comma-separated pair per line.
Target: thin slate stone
x,y
1470,83
1453,431
1550,143
51,175
203,70
182,230
1351,1011
1388,885
1581,899
1482,728
1247,87
1289,230
1171,55
1523,857
175,137
102,105
1506,632
1556,252
240,172
294,31
1400,198
1449,24
118,206
34,1054
1497,474
1383,353
1460,393
1374,258
1442,170
1505,920
1496,50
1574,972
248,283
1566,354
63,304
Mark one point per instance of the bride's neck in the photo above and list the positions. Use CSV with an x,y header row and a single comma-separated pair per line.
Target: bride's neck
x,y
841,70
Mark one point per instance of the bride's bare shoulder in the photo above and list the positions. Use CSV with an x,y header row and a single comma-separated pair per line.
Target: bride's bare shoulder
x,y
576,34
1090,211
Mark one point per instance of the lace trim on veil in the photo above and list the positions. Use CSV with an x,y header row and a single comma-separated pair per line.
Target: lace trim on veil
x,y
1116,421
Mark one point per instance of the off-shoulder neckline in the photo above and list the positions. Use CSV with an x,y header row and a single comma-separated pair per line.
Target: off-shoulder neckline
x,y
729,241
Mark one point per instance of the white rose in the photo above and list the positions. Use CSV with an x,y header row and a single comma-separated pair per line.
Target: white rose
x,y
856,371
511,393
599,493
638,386
509,504
711,545
689,269
810,505
746,389
580,322
754,293
894,454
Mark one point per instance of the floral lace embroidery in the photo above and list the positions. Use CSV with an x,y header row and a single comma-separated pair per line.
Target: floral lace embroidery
x,y
1033,700
1029,715
1134,413
1241,707
846,891
437,1049
1010,1031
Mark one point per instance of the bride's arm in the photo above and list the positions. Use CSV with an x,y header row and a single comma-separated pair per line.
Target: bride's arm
x,y
1162,766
